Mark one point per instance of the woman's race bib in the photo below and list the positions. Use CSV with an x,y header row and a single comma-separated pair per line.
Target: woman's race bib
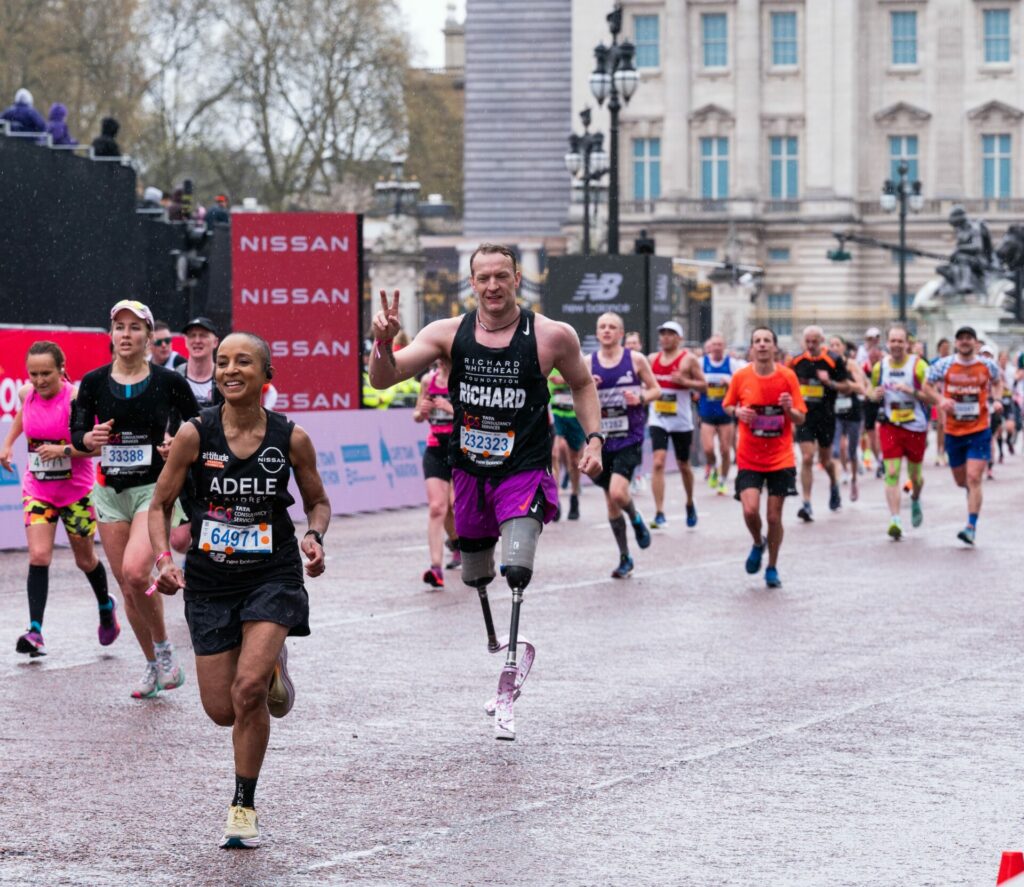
x,y
231,539
844,403
47,469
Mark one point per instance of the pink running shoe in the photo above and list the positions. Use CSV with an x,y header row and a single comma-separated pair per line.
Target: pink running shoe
x,y
109,627
31,642
434,577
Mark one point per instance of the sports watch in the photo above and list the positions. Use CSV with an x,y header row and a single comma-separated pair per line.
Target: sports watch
x,y
316,535
598,435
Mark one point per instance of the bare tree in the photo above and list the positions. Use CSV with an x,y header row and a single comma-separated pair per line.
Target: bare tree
x,y
318,90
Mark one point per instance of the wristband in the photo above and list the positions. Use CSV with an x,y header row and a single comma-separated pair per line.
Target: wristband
x,y
160,557
380,342
316,535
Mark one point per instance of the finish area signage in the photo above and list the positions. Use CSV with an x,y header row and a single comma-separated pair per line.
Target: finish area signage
x,y
296,282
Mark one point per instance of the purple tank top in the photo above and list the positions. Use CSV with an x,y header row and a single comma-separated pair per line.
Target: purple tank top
x,y
59,482
621,425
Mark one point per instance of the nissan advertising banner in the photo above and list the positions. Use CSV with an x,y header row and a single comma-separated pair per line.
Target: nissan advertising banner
x,y
296,282
581,288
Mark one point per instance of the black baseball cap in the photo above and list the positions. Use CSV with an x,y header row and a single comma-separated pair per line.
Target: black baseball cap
x,y
966,331
203,322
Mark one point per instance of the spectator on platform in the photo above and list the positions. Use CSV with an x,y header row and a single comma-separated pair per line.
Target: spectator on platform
x,y
152,198
105,145
57,126
218,213
21,116
176,208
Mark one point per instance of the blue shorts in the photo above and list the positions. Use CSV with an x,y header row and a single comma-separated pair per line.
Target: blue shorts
x,y
961,447
569,427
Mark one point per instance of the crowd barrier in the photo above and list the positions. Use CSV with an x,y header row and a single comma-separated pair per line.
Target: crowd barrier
x,y
370,460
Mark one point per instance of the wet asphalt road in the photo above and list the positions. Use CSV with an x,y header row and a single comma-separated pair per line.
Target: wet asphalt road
x,y
860,726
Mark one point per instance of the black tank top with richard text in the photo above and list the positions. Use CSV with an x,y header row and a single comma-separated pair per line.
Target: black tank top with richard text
x,y
500,398
242,536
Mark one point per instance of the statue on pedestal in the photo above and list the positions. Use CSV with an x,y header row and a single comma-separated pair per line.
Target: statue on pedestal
x,y
970,266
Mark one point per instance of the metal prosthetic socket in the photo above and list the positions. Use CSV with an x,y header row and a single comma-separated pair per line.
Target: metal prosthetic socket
x,y
518,547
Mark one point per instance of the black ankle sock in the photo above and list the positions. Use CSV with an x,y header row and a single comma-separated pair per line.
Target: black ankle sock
x,y
245,792
98,580
619,529
38,589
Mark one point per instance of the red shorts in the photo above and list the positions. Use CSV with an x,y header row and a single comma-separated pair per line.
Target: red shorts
x,y
898,442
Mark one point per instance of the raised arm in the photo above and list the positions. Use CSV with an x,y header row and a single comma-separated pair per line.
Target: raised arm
x,y
388,368
314,499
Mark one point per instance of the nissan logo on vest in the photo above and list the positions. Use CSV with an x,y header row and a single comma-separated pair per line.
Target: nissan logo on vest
x,y
272,460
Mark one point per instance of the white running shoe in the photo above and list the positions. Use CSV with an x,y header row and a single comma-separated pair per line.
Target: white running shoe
x,y
147,687
169,672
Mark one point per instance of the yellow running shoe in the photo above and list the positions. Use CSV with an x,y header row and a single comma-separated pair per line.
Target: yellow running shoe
x,y
281,693
243,829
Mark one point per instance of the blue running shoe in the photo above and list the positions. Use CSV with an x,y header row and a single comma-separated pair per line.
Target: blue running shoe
x,y
659,521
691,515
624,568
966,535
754,558
771,578
643,535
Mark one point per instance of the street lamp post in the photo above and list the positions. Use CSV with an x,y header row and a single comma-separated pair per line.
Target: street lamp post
x,y
403,190
587,159
614,78
902,194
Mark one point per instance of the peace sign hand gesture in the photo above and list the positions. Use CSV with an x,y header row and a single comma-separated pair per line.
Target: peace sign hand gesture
x,y
386,324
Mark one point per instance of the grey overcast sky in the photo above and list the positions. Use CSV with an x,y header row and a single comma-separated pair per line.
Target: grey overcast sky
x,y
424,20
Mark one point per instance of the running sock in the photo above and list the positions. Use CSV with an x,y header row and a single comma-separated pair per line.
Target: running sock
x,y
38,589
245,792
972,519
161,647
630,509
98,580
619,531
35,626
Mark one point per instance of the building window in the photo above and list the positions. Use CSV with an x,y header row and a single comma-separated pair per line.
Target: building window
x,y
995,162
784,38
904,38
778,254
783,167
714,168
706,254
716,40
780,307
648,46
646,169
997,35
903,148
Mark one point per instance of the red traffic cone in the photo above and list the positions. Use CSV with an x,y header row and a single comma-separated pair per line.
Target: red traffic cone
x,y
1011,866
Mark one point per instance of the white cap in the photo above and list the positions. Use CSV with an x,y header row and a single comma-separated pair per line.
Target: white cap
x,y
153,194
672,327
872,332
141,311
23,97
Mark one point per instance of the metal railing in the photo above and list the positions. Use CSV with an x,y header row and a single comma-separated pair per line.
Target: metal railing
x,y
45,140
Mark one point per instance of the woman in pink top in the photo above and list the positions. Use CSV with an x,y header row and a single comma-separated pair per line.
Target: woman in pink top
x,y
435,407
56,485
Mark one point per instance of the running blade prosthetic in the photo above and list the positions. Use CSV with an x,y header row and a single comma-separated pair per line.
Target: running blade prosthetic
x,y
526,653
504,715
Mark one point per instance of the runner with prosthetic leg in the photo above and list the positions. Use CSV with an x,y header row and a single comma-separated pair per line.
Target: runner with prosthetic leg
x,y
500,356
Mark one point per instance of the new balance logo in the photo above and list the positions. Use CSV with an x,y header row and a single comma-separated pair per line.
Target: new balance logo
x,y
598,287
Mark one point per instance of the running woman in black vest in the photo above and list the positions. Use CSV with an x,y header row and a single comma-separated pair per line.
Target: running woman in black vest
x,y
500,356
244,593
120,415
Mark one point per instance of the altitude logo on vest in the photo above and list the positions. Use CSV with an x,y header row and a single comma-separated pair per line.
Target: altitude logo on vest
x,y
272,460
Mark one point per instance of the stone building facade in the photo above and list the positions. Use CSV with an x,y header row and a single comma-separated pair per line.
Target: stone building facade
x,y
761,126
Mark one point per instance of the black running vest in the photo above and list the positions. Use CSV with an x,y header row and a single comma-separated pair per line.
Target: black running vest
x,y
500,397
242,536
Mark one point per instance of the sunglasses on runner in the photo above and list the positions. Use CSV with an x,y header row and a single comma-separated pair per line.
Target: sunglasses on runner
x,y
166,341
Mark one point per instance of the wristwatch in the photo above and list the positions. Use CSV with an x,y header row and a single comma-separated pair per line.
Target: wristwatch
x,y
316,535
67,451
598,435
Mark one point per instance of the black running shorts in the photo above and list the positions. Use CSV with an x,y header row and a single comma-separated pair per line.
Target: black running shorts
x,y
780,483
818,428
681,441
435,463
215,622
624,462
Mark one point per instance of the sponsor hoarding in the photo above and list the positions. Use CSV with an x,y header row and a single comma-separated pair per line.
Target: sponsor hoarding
x,y
296,282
